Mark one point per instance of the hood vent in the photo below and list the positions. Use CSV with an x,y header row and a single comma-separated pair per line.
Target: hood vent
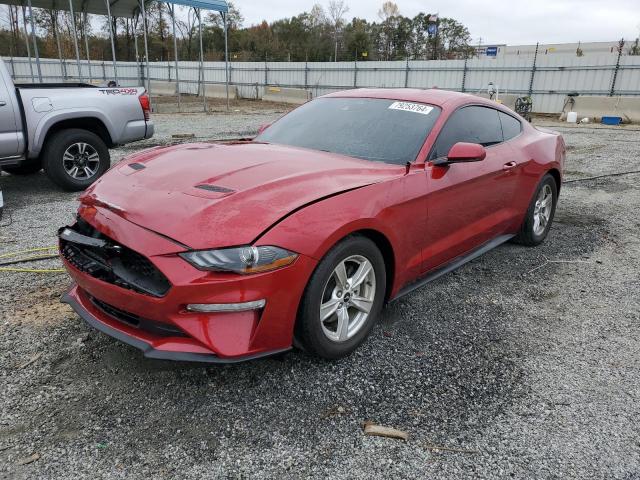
x,y
215,188
137,166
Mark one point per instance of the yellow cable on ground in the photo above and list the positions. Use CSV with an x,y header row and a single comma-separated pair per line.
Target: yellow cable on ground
x,y
32,270
26,259
31,250
34,257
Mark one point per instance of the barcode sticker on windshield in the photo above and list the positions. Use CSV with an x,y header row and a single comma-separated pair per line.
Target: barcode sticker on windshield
x,y
411,107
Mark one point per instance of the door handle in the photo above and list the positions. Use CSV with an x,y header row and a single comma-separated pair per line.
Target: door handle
x,y
509,166
2,103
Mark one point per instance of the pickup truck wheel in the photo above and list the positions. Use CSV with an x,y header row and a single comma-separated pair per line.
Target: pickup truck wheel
x,y
75,158
28,167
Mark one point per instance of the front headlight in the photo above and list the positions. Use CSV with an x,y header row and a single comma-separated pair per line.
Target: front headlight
x,y
242,260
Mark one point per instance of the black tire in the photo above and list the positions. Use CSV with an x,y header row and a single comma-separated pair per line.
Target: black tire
x,y
527,234
28,167
309,331
53,158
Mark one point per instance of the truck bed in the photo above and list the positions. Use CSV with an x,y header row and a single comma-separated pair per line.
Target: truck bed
x,y
54,85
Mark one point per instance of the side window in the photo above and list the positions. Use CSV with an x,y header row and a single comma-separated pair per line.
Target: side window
x,y
469,124
510,126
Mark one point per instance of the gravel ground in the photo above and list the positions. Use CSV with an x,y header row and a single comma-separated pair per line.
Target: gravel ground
x,y
524,363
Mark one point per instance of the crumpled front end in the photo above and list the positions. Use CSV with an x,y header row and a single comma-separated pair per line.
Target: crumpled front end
x,y
131,283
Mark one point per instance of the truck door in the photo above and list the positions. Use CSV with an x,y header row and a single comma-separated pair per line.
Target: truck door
x,y
10,126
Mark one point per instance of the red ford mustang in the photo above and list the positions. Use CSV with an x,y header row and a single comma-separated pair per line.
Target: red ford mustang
x,y
226,252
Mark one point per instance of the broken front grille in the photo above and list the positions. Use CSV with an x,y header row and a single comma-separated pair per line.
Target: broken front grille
x,y
101,257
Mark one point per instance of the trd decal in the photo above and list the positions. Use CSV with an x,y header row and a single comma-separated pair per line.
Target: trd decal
x,y
118,91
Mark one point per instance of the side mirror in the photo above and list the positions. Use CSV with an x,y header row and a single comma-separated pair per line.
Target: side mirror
x,y
463,152
263,128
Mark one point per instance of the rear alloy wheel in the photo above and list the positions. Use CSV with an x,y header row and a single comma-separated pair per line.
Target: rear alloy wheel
x,y
81,161
542,210
343,299
539,217
75,158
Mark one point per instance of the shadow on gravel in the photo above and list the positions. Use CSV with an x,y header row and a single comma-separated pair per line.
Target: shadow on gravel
x,y
23,190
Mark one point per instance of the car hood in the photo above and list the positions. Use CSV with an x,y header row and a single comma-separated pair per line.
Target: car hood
x,y
216,195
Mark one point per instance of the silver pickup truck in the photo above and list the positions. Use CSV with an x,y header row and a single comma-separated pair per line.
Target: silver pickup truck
x,y
67,129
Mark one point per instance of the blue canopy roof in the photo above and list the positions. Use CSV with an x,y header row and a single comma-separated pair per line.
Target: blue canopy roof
x,y
216,5
119,8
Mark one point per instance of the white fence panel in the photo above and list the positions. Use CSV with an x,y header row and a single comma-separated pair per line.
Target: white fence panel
x,y
379,74
444,74
553,77
628,81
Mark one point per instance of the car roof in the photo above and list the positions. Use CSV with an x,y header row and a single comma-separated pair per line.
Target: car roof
x,y
433,96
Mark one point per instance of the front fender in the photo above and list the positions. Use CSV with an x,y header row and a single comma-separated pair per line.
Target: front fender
x,y
389,208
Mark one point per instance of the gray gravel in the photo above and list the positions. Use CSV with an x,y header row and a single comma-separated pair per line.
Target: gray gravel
x,y
525,359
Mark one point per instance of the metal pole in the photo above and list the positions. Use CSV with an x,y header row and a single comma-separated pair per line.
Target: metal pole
x,y
175,53
406,74
86,42
139,69
35,43
616,69
533,70
204,95
464,75
226,55
26,41
13,48
63,67
355,71
135,41
113,47
146,46
75,36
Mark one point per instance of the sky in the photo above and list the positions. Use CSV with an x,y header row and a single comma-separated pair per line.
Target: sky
x,y
513,22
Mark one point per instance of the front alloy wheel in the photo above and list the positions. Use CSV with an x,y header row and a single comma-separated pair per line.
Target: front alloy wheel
x,y
343,299
348,298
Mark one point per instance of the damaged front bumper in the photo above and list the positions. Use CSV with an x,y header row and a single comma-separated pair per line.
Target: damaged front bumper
x,y
156,347
131,283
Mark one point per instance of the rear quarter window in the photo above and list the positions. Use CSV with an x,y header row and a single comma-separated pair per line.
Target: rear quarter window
x,y
511,127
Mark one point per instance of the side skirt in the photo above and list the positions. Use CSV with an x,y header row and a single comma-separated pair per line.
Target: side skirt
x,y
452,265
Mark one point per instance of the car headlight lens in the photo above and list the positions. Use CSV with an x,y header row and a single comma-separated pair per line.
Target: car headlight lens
x,y
244,260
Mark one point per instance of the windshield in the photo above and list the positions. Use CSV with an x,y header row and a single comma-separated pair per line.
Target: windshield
x,y
369,128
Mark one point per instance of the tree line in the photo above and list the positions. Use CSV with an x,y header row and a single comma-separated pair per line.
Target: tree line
x,y
321,34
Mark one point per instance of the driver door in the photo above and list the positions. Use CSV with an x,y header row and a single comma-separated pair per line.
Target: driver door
x,y
468,204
